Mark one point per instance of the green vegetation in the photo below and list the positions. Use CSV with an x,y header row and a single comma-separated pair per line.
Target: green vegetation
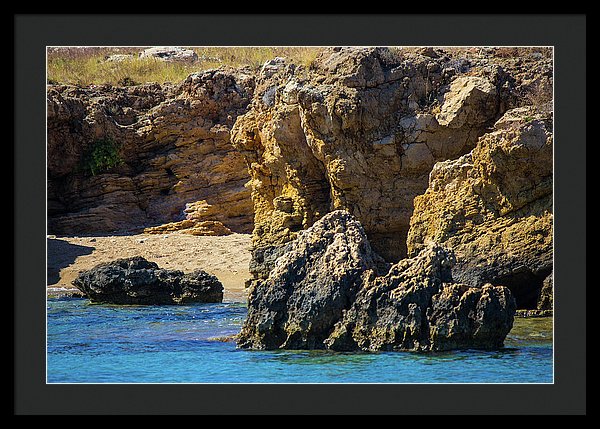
x,y
102,155
88,65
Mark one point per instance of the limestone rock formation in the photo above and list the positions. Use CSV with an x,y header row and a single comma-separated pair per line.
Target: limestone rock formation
x,y
192,227
122,158
329,290
134,281
170,54
493,207
310,286
359,130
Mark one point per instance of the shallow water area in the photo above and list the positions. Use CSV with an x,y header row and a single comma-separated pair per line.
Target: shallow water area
x,y
90,343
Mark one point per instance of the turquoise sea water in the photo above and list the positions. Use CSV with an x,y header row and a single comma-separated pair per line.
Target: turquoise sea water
x,y
184,344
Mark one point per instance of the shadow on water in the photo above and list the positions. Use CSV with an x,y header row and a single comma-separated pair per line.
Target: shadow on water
x,y
61,254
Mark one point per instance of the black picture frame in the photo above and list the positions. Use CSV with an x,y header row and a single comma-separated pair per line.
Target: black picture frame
x,y
32,33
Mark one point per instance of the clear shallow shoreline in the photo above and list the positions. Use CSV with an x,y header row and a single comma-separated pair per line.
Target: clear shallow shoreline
x,y
183,344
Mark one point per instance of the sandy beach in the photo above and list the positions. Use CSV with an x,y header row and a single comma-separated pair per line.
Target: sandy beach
x,y
226,257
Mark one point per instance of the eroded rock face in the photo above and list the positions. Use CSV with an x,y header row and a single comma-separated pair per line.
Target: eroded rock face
x,y
359,131
493,207
546,298
329,290
173,146
134,281
309,287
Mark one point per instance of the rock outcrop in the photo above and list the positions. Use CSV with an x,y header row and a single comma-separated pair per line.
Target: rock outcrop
x,y
122,158
192,227
545,301
329,290
170,54
493,208
360,130
423,147
135,281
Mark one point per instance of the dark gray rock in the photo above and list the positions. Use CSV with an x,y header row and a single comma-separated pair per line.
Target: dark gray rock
x,y
309,287
331,291
134,281
263,259
416,306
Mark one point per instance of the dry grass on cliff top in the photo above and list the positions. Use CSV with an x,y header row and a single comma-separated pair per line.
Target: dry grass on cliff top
x,y
88,65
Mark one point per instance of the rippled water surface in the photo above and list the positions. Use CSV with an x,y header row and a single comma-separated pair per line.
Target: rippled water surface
x,y
187,344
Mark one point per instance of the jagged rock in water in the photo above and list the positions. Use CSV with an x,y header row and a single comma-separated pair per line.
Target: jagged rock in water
x,y
172,159
134,281
329,290
359,130
309,287
493,208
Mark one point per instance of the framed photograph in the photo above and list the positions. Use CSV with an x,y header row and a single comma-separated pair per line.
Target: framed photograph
x,y
275,224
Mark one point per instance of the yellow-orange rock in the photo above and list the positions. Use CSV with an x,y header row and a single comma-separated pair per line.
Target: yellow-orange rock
x,y
192,227
493,208
357,131
173,141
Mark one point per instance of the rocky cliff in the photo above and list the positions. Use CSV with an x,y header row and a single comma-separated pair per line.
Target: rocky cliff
x,y
361,130
493,208
122,158
422,147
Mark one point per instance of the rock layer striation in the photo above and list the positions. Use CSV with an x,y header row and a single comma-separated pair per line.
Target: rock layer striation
x,y
122,158
493,208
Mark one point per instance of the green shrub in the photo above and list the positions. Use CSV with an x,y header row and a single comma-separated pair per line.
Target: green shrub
x,y
101,156
126,81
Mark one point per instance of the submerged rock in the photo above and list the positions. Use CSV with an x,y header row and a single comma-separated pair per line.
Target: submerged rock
x,y
138,281
331,291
